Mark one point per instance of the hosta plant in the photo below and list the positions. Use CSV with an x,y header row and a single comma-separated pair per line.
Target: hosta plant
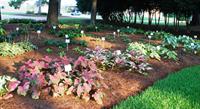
x,y
185,40
157,35
151,51
7,85
60,76
170,42
13,49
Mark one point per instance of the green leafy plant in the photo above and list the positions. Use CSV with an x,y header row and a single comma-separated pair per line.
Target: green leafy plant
x,y
152,51
49,50
9,49
110,38
157,35
125,39
131,60
62,54
79,51
170,42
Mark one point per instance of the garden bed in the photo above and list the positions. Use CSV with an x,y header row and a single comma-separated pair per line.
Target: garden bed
x,y
121,84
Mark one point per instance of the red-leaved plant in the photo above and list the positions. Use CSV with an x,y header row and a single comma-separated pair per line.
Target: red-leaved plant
x,y
49,75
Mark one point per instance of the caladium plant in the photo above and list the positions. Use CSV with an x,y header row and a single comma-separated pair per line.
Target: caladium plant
x,y
7,85
130,60
58,77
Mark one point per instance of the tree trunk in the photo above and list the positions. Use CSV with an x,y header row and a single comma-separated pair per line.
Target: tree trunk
x,y
0,13
155,18
93,12
195,19
59,7
135,19
39,7
52,17
142,17
150,20
159,18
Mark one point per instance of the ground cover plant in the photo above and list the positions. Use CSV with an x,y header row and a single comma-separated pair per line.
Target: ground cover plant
x,y
176,91
151,51
7,85
131,60
62,44
129,30
58,77
13,49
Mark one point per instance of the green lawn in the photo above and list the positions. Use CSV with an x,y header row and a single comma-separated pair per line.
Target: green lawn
x,y
177,91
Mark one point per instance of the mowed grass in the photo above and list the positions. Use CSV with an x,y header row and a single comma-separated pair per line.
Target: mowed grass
x,y
178,91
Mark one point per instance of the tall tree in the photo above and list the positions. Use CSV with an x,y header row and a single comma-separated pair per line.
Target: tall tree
x,y
52,17
93,12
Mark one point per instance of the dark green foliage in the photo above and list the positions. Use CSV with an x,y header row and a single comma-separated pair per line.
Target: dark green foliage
x,y
62,44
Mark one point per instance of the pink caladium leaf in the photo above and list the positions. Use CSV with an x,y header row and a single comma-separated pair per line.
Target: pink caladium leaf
x,y
47,59
80,90
86,97
22,90
98,97
7,96
87,87
70,90
22,68
36,94
12,85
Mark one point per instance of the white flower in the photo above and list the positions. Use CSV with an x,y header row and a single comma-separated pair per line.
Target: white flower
x,y
118,30
195,52
66,36
68,68
103,38
17,28
38,32
54,27
184,36
67,41
82,32
96,27
151,34
149,37
127,27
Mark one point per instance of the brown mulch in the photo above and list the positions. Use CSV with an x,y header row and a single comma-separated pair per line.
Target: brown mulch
x,y
121,83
